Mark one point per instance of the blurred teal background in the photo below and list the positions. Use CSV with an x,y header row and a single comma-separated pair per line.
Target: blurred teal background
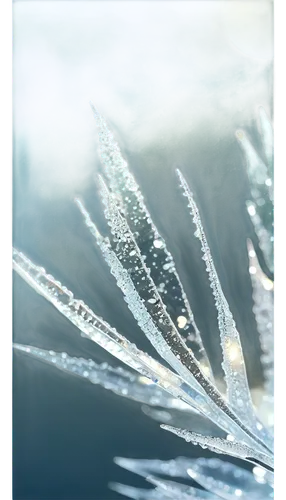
x,y
174,80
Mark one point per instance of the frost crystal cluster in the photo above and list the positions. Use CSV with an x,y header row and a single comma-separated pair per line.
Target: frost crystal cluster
x,y
181,387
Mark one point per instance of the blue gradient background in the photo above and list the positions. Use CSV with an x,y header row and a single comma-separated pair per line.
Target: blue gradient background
x,y
174,80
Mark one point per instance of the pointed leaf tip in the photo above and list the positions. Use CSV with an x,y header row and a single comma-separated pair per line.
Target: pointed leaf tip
x,y
180,175
128,464
103,185
93,108
261,109
82,209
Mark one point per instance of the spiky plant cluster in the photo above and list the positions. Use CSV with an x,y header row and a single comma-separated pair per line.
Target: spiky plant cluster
x,y
176,395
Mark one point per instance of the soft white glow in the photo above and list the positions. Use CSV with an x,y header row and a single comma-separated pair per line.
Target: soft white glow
x,y
250,27
234,352
267,284
205,369
258,471
145,380
252,270
192,473
259,474
229,437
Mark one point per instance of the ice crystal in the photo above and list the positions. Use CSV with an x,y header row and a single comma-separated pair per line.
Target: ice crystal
x,y
185,397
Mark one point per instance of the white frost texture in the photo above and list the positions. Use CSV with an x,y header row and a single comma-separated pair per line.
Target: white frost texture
x,y
181,391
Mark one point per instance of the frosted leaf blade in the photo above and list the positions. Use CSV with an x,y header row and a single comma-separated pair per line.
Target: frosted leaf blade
x,y
263,310
260,179
158,258
144,467
118,380
265,237
238,393
176,490
183,418
219,445
137,493
267,139
228,481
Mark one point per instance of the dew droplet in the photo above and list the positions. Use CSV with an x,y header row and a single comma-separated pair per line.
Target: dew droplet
x,y
182,321
158,243
152,301
251,210
260,202
167,266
